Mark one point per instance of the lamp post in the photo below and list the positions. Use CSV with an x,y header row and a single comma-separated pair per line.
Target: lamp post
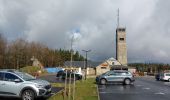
x,y
71,65
86,51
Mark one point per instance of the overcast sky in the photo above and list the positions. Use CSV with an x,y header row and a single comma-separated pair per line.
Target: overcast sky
x,y
93,22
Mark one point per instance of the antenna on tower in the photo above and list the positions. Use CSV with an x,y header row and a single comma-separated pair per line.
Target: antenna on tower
x,y
118,18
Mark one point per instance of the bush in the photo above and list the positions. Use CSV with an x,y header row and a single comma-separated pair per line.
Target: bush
x,y
141,73
33,70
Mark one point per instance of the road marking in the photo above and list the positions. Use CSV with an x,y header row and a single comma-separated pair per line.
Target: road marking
x,y
119,93
103,92
102,88
146,88
138,85
160,93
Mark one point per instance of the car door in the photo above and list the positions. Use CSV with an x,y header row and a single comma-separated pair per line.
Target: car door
x,y
111,76
115,77
10,87
120,76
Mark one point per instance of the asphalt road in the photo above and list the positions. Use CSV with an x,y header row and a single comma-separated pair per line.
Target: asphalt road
x,y
53,79
144,88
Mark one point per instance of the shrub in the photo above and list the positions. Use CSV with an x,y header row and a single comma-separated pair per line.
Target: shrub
x,y
33,70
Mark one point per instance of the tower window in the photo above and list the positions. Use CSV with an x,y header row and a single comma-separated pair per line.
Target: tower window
x,y
103,68
122,29
121,39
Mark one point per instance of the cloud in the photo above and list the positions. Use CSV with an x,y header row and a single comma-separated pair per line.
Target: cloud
x,y
53,22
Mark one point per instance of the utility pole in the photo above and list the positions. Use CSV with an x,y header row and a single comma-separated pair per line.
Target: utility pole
x,y
86,51
71,64
65,92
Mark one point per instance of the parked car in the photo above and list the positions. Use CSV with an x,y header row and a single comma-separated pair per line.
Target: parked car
x,y
122,76
22,85
62,74
157,76
165,76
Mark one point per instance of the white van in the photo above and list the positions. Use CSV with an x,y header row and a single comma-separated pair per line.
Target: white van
x,y
165,76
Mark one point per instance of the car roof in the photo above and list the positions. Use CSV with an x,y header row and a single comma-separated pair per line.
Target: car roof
x,y
120,70
9,70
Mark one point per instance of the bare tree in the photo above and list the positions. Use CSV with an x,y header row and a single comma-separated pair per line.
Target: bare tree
x,y
3,44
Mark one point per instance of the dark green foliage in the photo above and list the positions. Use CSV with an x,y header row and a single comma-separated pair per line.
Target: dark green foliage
x,y
150,67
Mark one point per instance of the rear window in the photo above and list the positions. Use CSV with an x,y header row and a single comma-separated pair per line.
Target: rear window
x,y
168,74
126,73
161,74
122,73
1,76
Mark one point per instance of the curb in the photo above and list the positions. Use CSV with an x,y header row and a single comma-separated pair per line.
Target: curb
x,y
57,92
98,93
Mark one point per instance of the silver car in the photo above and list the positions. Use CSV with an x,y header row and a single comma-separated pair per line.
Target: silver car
x,y
122,76
22,85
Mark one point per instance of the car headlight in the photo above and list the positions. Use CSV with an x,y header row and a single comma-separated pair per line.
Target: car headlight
x,y
39,86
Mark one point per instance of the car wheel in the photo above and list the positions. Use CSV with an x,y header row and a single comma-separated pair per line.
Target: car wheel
x,y
77,78
127,81
60,77
80,77
28,95
169,79
102,81
63,78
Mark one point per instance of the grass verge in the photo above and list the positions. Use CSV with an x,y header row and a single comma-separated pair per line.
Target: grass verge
x,y
85,90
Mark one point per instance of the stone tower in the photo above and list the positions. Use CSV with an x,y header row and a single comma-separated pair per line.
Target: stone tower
x,y
121,49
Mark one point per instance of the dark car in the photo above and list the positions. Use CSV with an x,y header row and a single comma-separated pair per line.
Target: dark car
x,y
77,76
62,74
157,76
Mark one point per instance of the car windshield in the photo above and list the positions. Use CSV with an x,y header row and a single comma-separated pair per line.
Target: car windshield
x,y
26,76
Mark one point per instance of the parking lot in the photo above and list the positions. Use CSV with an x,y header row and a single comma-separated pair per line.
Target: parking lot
x,y
144,88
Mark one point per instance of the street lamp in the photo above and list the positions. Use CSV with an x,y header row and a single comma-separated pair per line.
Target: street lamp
x,y
86,51
71,65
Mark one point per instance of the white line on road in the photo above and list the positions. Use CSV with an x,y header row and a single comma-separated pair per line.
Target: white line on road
x,y
146,88
160,93
103,92
102,88
119,93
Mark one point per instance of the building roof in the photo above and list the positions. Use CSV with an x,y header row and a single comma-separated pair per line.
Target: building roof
x,y
112,59
90,64
82,64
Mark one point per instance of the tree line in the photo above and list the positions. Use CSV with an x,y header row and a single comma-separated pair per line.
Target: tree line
x,y
150,67
18,54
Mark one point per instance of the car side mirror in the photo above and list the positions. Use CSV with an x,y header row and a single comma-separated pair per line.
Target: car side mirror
x,y
17,80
